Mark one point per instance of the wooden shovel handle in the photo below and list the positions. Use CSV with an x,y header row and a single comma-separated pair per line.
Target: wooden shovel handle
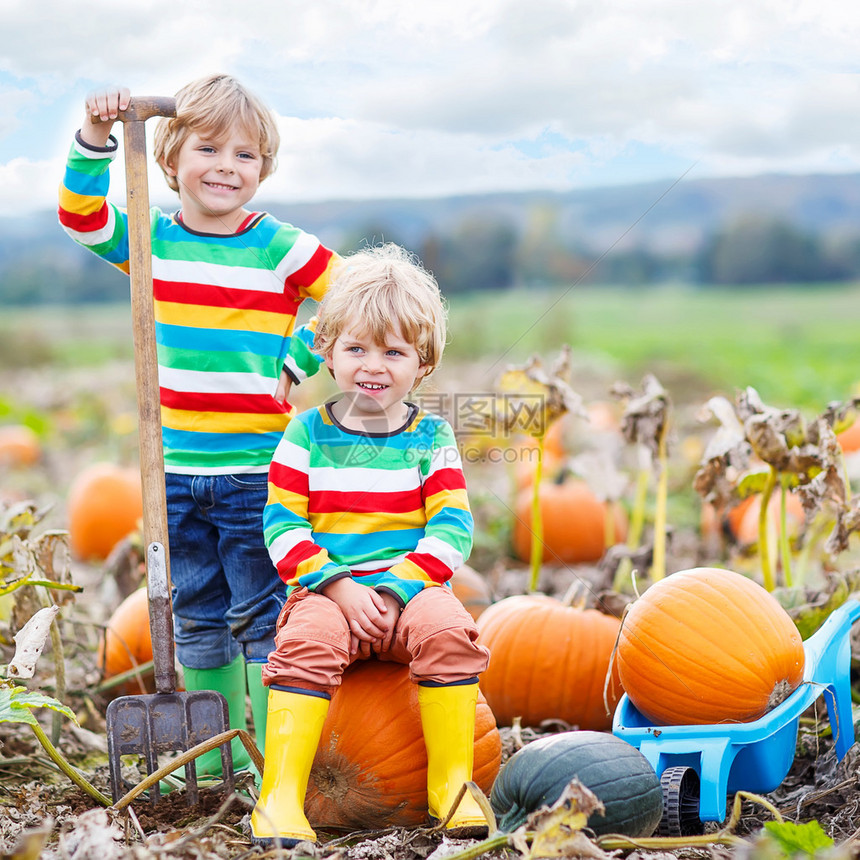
x,y
142,108
146,374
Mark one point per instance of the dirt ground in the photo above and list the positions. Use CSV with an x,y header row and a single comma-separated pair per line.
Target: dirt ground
x,y
42,814
56,819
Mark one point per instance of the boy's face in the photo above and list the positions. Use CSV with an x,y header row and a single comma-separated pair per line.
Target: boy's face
x,y
216,177
374,377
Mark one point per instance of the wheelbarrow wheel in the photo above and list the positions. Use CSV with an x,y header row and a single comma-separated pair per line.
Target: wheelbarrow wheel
x,y
680,787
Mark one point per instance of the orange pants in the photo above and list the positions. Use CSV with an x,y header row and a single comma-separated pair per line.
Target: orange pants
x,y
434,635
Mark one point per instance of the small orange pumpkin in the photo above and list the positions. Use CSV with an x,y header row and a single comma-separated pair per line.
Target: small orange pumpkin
x,y
127,642
549,661
604,416
747,530
574,523
370,769
104,504
471,589
707,646
849,440
734,516
19,446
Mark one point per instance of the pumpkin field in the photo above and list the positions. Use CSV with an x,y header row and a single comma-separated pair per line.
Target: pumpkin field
x,y
664,487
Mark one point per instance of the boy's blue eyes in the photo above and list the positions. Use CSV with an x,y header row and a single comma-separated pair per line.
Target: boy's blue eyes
x,y
208,150
357,349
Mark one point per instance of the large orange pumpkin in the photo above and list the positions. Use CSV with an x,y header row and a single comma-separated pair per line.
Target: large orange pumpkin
x,y
549,661
471,589
370,770
19,446
127,642
574,523
708,646
104,504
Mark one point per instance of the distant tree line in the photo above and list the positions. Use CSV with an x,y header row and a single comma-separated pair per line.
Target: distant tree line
x,y
491,254
495,253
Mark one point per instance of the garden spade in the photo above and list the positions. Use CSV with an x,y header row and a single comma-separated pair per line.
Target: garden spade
x,y
167,720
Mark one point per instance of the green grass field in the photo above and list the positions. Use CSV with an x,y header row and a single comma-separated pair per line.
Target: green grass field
x,y
798,347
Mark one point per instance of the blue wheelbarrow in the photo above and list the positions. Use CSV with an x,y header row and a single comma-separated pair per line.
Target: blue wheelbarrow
x,y
700,765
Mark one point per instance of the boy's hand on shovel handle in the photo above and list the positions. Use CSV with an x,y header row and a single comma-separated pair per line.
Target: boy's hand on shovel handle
x,y
102,109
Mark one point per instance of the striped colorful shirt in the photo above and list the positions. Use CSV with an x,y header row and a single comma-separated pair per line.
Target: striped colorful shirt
x,y
388,509
225,310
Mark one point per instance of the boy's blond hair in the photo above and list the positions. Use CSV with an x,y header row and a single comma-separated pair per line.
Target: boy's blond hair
x,y
379,290
212,106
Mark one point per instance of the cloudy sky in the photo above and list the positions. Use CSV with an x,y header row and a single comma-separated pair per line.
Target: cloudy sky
x,y
419,98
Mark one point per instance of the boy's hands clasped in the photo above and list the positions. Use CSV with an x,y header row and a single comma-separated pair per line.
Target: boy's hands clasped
x,y
371,616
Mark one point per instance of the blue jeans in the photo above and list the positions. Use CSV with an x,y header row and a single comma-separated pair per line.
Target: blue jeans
x,y
226,591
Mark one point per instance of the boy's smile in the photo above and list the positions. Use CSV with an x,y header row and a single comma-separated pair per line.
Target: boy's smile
x,y
375,379
216,179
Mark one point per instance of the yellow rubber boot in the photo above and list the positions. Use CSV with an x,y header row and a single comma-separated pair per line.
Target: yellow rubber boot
x,y
448,723
293,728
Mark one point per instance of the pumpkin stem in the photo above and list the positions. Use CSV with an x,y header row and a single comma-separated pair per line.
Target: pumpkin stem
x,y
576,595
74,775
536,555
609,528
60,676
763,537
819,526
658,564
498,840
637,517
479,797
784,542
846,480
724,836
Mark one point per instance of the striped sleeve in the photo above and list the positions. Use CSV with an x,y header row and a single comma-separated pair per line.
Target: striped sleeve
x,y
84,212
286,528
301,361
447,539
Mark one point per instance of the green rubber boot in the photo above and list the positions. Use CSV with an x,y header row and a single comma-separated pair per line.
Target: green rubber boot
x,y
259,702
230,682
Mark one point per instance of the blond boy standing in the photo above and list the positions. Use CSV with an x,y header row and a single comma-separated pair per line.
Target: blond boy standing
x,y
227,283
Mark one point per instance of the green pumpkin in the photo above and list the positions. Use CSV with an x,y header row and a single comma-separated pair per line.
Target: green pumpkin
x,y
618,774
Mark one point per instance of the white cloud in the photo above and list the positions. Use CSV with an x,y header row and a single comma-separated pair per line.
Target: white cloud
x,y
400,97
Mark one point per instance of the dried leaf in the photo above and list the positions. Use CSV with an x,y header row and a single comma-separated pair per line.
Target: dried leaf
x,y
729,437
558,828
840,415
725,456
847,522
97,834
30,641
646,413
31,842
534,399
